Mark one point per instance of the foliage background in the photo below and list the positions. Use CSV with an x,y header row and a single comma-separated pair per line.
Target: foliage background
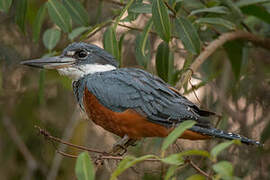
x,y
234,81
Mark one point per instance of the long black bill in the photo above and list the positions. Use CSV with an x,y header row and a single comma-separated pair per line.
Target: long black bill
x,y
50,62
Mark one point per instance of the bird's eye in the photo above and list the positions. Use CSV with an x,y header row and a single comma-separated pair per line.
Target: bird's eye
x,y
81,54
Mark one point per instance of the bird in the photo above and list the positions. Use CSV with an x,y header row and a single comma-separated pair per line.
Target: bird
x,y
129,102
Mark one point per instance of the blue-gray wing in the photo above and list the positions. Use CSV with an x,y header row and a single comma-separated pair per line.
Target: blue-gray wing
x,y
131,88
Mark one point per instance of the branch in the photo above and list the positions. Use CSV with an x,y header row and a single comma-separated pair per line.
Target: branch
x,y
214,45
50,137
199,169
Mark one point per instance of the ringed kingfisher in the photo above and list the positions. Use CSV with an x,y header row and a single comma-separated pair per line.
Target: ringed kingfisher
x,y
129,102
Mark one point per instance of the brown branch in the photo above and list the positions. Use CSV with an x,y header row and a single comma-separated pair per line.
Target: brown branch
x,y
214,45
199,169
48,136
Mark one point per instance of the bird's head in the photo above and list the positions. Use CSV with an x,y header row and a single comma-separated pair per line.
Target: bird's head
x,y
77,60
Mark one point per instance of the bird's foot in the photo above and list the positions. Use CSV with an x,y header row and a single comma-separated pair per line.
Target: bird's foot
x,y
120,147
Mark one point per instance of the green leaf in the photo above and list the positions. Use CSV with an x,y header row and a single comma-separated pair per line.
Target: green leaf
x,y
122,13
215,9
221,147
38,22
235,13
196,177
127,162
84,168
59,15
170,172
266,133
77,12
217,21
141,8
188,35
234,50
20,16
195,153
5,5
257,11
132,15
141,59
174,159
144,37
224,168
50,38
76,32
177,159
243,3
162,60
120,45
176,133
161,20
110,42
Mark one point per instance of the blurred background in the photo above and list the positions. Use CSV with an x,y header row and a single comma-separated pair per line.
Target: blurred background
x,y
234,82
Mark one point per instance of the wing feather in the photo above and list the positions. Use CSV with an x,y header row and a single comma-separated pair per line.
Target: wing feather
x,y
131,88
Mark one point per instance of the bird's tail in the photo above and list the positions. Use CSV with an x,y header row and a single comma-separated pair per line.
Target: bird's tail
x,y
213,132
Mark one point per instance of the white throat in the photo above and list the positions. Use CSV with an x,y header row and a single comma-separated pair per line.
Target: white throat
x,y
76,73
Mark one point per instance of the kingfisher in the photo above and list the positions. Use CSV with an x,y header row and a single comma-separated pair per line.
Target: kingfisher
x,y
129,102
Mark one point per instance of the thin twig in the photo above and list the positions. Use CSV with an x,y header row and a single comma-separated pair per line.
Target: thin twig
x,y
170,8
199,169
214,45
47,135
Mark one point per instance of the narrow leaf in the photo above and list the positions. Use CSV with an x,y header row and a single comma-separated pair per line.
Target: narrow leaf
x,y
177,159
257,11
174,159
224,168
50,38
243,3
21,9
76,32
188,35
162,60
215,9
38,22
196,177
265,135
141,59
234,50
84,168
161,20
217,21
176,133
122,13
110,42
59,15
144,37
170,172
77,11
141,8
5,5
221,147
127,162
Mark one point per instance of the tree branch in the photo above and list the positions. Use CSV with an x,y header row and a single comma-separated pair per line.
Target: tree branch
x,y
214,45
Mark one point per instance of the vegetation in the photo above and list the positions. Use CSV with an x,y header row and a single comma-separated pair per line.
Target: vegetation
x,y
216,52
